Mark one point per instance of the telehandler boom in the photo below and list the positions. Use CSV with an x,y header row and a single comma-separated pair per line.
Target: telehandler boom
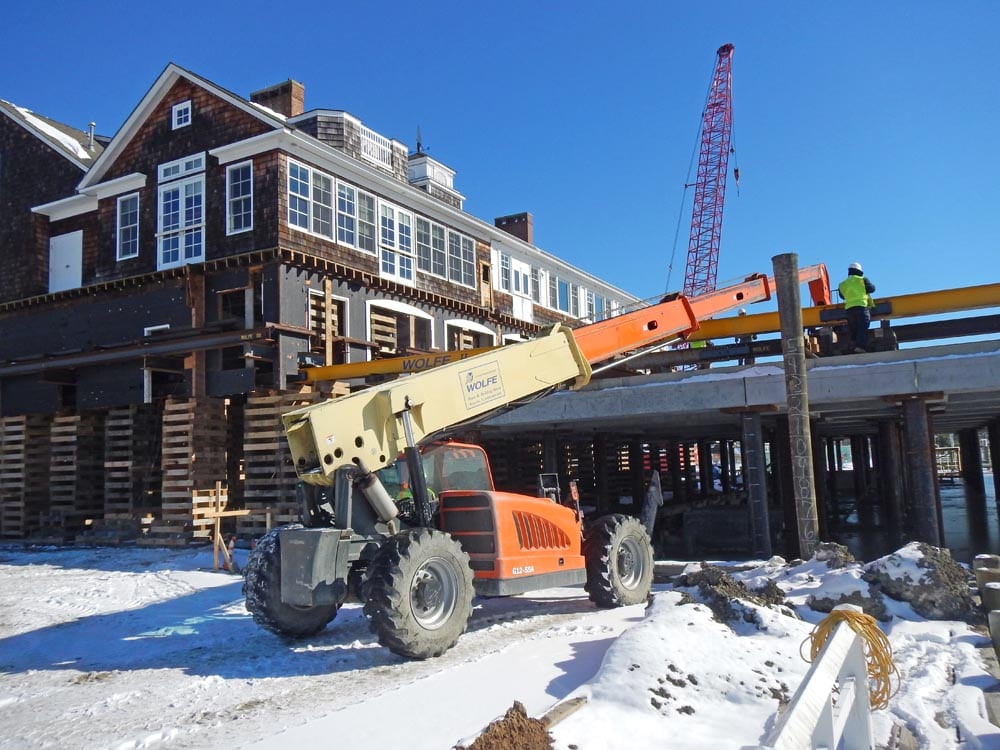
x,y
412,527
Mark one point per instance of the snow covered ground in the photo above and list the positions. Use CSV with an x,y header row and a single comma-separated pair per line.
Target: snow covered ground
x,y
148,648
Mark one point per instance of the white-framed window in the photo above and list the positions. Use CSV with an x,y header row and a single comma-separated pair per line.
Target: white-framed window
x,y
388,225
396,243
310,200
574,300
598,311
562,295
171,170
505,272
298,195
180,212
553,300
404,232
520,279
322,205
423,245
347,214
366,222
461,259
127,230
239,198
536,286
180,222
431,255
180,115
439,257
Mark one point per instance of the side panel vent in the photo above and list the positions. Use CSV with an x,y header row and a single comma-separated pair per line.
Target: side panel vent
x,y
535,532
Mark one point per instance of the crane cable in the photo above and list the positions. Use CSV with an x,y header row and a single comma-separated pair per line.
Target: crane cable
x,y
878,652
687,184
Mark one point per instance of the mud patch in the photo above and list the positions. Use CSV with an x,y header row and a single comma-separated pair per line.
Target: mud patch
x,y
515,730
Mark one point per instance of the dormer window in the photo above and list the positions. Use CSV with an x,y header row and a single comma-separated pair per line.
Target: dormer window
x,y
180,115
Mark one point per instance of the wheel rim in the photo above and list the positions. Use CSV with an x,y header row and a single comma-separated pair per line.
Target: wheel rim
x,y
433,593
631,563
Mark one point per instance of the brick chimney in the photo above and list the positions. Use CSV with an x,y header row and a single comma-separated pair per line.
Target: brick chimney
x,y
520,225
288,98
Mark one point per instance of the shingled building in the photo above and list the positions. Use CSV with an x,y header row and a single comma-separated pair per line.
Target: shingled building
x,y
166,285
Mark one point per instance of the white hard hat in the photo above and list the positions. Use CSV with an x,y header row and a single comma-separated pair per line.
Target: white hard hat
x,y
855,267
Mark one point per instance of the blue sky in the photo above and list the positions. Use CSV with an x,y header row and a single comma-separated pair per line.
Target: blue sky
x,y
864,130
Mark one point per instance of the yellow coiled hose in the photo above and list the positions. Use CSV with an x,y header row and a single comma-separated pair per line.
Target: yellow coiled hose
x,y
878,652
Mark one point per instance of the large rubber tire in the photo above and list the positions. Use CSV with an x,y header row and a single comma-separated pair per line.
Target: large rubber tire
x,y
262,589
619,561
418,595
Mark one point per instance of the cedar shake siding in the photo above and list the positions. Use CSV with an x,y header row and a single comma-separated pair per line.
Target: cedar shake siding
x,y
31,173
214,122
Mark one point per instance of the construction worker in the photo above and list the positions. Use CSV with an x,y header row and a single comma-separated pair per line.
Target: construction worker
x,y
408,506
856,291
748,358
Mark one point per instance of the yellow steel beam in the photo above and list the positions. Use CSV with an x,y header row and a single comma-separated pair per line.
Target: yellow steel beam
x,y
387,366
902,306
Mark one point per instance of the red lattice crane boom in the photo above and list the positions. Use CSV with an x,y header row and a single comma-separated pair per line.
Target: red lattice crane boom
x,y
702,266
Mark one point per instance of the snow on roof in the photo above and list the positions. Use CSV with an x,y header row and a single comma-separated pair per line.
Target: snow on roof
x,y
268,110
65,140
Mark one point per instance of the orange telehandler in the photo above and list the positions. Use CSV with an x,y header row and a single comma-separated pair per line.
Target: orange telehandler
x,y
413,527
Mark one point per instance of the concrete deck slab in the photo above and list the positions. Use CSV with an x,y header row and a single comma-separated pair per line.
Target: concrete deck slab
x,y
962,380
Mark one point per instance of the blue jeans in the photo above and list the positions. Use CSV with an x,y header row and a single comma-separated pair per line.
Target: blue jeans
x,y
858,319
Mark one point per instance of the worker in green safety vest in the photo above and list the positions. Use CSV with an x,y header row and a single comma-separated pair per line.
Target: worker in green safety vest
x,y
856,291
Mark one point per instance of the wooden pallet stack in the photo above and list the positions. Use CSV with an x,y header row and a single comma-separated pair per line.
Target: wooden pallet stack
x,y
131,460
76,466
193,460
269,488
620,463
131,475
515,464
577,463
236,478
24,469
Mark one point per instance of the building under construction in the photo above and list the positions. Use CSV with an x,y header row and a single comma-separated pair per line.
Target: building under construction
x,y
168,285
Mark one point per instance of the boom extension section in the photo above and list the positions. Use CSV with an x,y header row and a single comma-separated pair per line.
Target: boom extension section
x,y
369,428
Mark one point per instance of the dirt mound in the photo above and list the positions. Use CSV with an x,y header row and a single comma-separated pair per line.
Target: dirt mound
x,y
942,590
720,591
515,730
834,555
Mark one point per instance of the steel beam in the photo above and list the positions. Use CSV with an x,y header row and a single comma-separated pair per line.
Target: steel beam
x,y
902,306
152,347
